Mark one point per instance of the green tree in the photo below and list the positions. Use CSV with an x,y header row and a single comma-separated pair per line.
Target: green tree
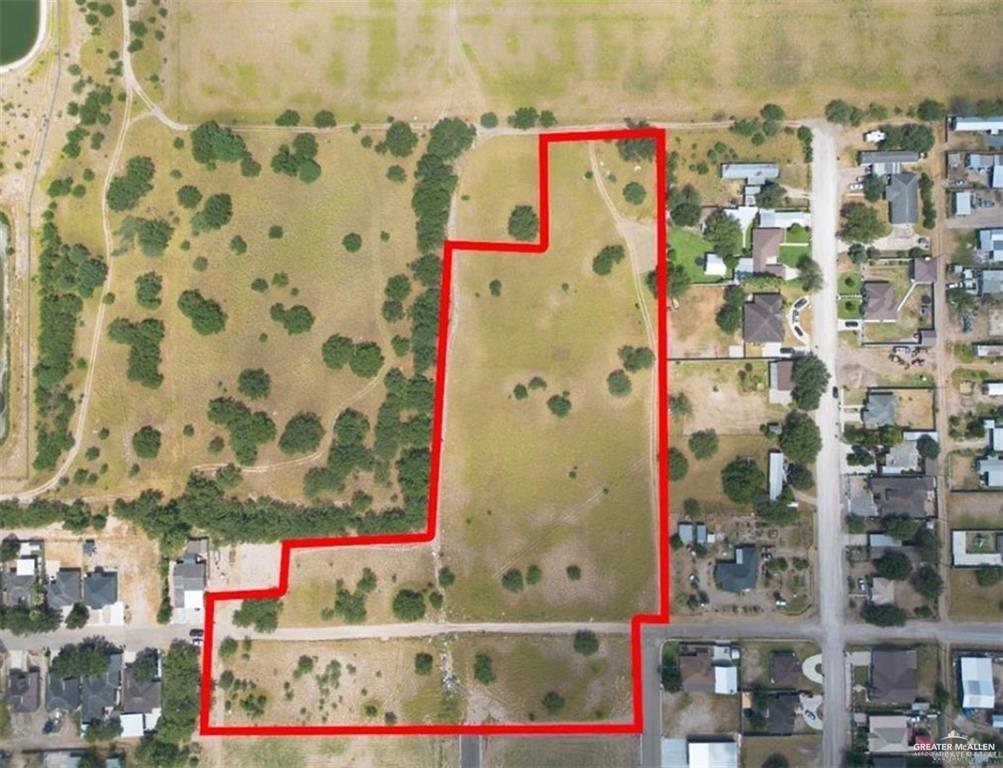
x,y
337,351
988,575
489,120
874,187
685,206
227,648
254,383
367,359
634,193
679,465
724,233
263,615
483,669
800,439
729,316
927,582
146,442
77,617
861,223
559,405
928,447
893,565
423,663
352,242
607,258
742,480
553,702
400,139
206,315
618,383
810,378
288,118
148,287
124,192
216,213
635,359
302,434
296,319
512,580
931,111
523,223
771,195
887,615
324,119
189,196
586,643
409,605
810,274
703,444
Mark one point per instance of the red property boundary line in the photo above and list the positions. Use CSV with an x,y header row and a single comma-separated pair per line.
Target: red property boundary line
x,y
206,728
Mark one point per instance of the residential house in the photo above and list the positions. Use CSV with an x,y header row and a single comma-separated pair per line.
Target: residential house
x,y
762,322
751,173
99,693
782,708
901,458
989,244
993,388
776,474
901,195
962,203
989,552
859,496
100,588
781,381
893,676
62,694
17,588
770,218
879,302
879,409
141,702
977,687
714,266
738,575
887,733
990,125
766,251
990,282
988,350
990,471
904,496
924,271
64,590
882,162
24,690
696,668
719,753
189,578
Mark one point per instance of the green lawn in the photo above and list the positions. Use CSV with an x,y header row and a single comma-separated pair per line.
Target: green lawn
x,y
849,284
848,308
689,249
797,244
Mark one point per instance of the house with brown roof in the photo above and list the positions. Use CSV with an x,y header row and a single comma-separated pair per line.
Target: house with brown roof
x,y
879,305
781,381
904,495
924,271
766,243
893,676
762,322
696,667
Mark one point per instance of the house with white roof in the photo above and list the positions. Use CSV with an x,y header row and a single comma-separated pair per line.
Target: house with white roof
x,y
977,688
990,244
769,218
991,125
991,471
992,388
751,173
714,266
991,553
776,474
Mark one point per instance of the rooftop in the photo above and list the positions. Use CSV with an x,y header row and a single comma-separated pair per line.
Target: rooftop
x,y
879,301
893,675
901,194
762,322
738,575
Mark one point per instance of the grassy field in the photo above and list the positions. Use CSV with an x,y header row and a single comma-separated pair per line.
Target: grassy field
x,y
315,752
583,60
689,249
728,397
703,481
595,687
521,486
799,750
308,266
970,602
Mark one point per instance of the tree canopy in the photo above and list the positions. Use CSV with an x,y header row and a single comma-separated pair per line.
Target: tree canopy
x,y
523,223
742,480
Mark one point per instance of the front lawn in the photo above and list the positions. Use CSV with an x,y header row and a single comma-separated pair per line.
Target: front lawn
x,y
688,251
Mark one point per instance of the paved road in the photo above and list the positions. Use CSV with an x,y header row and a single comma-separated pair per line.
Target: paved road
x,y
470,752
831,591
130,638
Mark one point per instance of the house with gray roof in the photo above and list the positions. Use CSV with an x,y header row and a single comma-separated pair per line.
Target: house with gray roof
x,y
17,588
879,305
738,575
990,244
99,693
24,690
904,495
62,694
139,695
893,677
64,590
991,471
762,322
991,282
751,173
901,195
100,588
188,582
885,161
879,409
781,712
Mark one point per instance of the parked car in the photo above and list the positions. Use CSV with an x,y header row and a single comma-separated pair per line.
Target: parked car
x,y
835,393
855,186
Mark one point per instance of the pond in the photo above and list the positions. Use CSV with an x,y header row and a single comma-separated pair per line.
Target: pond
x,y
19,20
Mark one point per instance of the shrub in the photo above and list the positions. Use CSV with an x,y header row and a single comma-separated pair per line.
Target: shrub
x,y
679,465
324,119
559,405
607,258
553,702
288,118
423,663
586,642
302,434
207,315
703,444
352,242
742,480
255,383
297,319
189,196
483,669
263,615
512,580
618,383
634,193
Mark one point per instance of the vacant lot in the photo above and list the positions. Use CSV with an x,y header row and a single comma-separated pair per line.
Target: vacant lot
x,y
323,752
582,60
521,485
694,333
799,750
970,602
595,687
350,681
560,752
729,397
306,264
